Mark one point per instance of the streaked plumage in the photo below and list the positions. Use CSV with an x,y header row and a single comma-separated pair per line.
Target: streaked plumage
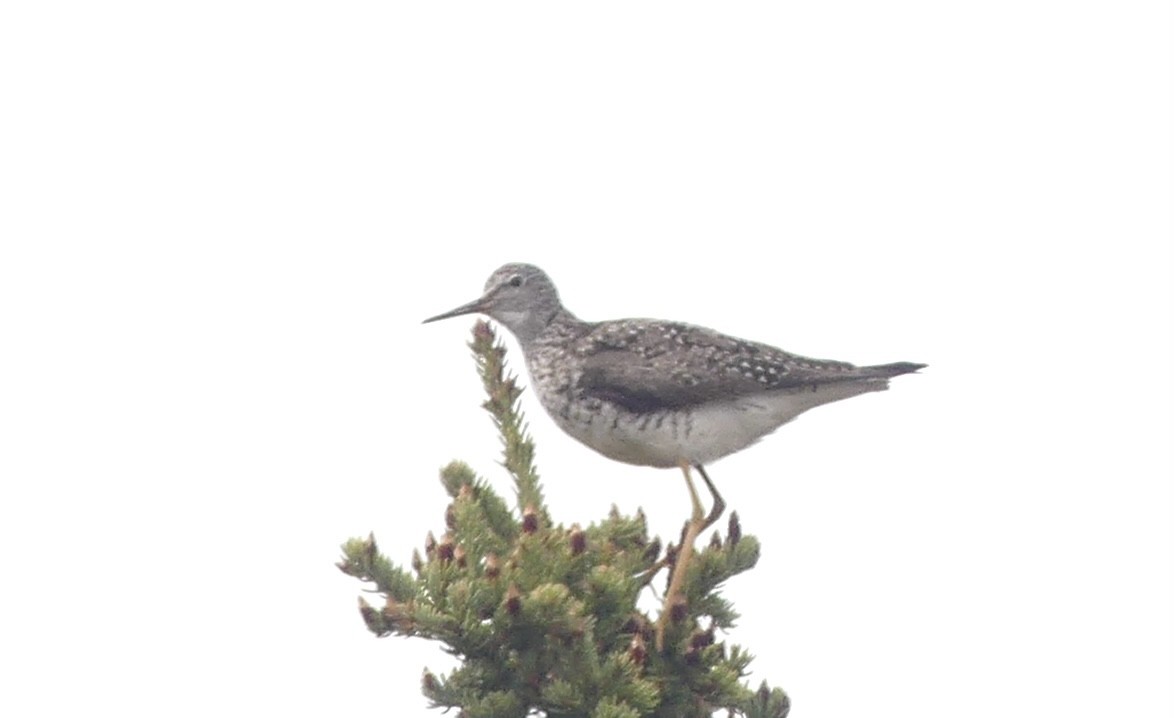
x,y
658,393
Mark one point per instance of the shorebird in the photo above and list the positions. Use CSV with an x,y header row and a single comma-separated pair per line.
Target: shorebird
x,y
660,393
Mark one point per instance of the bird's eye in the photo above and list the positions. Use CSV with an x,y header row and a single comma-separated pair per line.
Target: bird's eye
x,y
515,281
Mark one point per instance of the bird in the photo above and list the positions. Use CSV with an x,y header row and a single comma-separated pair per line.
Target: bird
x,y
660,393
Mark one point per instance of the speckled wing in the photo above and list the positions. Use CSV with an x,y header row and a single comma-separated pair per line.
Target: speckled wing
x,y
652,366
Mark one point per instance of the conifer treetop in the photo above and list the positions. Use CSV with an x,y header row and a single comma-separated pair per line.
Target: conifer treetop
x,y
543,616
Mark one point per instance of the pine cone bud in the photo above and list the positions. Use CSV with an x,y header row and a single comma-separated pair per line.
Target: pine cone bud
x,y
445,548
429,683
493,567
417,563
715,541
632,625
430,545
451,517
578,540
530,520
369,549
513,600
678,611
637,650
459,555
371,618
700,639
652,551
465,493
482,331
734,531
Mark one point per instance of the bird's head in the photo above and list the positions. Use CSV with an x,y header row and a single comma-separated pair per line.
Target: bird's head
x,y
520,296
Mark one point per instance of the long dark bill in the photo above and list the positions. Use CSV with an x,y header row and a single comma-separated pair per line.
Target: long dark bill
x,y
471,308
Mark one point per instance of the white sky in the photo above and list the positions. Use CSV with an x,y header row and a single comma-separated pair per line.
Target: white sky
x,y
222,223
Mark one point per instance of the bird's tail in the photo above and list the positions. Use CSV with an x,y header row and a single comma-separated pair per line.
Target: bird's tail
x,y
885,371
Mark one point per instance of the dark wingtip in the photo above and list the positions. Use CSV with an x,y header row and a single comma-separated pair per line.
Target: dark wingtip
x,y
898,368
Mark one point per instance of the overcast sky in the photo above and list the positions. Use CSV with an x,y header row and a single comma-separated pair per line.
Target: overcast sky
x,y
222,223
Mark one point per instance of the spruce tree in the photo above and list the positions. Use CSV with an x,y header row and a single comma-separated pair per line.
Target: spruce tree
x,y
543,616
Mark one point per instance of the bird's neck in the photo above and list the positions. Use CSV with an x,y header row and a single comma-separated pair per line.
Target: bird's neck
x,y
536,328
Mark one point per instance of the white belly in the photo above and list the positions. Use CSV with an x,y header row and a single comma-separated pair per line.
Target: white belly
x,y
699,435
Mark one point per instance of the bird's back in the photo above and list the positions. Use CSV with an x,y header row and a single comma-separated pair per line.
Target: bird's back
x,y
657,393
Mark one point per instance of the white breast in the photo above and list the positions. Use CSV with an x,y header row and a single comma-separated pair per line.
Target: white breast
x,y
699,435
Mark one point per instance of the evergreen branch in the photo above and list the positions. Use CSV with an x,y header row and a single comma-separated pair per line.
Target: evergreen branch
x,y
502,403
361,559
544,617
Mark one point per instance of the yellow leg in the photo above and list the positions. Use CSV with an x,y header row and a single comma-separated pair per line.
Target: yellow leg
x,y
693,494
685,553
719,504
715,513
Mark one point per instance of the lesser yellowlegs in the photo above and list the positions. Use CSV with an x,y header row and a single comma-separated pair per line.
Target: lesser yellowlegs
x,y
658,393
